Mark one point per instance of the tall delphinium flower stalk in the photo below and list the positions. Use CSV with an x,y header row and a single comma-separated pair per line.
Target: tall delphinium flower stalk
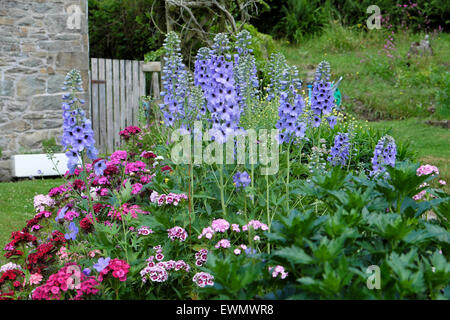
x,y
221,96
322,97
245,73
276,70
384,154
290,110
176,82
78,137
247,82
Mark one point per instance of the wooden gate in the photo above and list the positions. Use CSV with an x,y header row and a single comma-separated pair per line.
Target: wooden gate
x,y
116,89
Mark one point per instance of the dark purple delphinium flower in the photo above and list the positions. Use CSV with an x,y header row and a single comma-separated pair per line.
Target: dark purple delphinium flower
x,y
78,135
383,155
340,151
241,180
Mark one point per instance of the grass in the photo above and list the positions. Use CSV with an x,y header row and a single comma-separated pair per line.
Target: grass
x,y
378,87
16,204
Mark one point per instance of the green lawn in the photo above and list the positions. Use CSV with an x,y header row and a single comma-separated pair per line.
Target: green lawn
x,y
377,87
16,204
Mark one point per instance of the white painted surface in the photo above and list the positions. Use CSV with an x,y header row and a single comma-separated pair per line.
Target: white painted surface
x,y
31,165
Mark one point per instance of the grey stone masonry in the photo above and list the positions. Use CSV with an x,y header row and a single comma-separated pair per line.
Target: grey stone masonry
x,y
40,41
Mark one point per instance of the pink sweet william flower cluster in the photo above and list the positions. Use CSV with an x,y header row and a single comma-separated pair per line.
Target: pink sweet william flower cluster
x,y
203,279
118,156
144,231
255,224
9,266
177,233
35,278
224,243
158,271
137,166
201,256
40,201
278,270
207,232
126,209
57,191
427,169
136,188
220,225
119,270
63,281
171,198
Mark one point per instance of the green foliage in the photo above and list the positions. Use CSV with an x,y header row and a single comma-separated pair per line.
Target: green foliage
x,y
327,253
51,146
296,20
262,45
122,29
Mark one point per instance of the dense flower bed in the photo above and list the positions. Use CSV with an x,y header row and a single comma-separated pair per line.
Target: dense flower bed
x,y
136,224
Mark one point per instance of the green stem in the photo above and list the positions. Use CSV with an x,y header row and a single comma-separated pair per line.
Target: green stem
x,y
222,194
269,220
287,175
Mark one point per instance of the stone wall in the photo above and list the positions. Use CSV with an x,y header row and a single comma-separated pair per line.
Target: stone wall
x,y
40,41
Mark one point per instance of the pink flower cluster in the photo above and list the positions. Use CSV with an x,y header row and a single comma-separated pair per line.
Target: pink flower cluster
x,y
126,209
220,225
201,256
144,231
155,274
70,215
117,156
427,169
60,282
203,279
137,166
278,270
136,188
177,233
119,270
35,278
171,198
255,224
9,266
207,232
159,271
57,190
40,201
224,243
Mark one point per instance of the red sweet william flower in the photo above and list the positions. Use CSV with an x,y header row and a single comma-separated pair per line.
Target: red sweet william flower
x,y
166,168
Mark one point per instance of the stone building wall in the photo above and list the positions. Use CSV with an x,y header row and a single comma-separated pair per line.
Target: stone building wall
x,y
40,41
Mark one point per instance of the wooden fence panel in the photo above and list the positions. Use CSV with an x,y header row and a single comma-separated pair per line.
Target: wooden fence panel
x,y
116,88
101,124
116,99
